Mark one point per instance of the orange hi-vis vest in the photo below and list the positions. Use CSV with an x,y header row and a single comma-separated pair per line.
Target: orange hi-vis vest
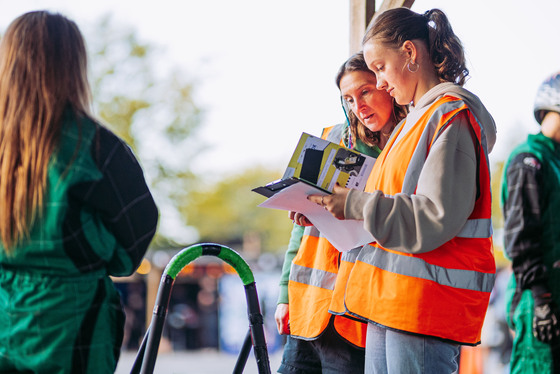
x,y
443,293
311,283
347,260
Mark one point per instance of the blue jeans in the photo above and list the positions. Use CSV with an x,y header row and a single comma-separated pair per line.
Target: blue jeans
x,y
393,352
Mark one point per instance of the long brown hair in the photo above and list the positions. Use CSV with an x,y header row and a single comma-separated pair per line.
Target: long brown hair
x,y
43,70
395,26
357,62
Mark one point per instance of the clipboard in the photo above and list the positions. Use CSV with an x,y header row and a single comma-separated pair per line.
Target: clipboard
x,y
273,188
314,168
291,194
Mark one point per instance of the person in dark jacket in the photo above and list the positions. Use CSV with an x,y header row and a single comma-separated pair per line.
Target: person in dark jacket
x,y
530,203
74,207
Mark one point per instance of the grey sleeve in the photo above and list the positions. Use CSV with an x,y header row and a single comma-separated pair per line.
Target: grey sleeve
x,y
443,201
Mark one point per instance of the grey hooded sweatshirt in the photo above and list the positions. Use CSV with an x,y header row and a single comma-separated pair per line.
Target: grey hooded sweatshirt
x,y
446,190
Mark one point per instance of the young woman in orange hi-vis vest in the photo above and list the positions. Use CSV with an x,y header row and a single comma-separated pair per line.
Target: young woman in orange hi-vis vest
x,y
320,342
424,284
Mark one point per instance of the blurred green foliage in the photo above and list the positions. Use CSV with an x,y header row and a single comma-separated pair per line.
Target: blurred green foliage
x,y
153,107
228,212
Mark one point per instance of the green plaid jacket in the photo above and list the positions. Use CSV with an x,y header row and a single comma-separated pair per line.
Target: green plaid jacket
x,y
59,309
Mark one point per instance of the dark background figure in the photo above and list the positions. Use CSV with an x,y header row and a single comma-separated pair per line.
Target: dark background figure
x,y
531,201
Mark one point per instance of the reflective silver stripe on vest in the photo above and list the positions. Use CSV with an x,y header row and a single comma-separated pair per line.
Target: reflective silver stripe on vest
x,y
311,231
476,228
417,160
420,154
351,255
482,140
473,228
418,268
335,135
312,277
429,136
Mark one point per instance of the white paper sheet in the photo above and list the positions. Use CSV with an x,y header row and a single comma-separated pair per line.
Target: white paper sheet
x,y
344,235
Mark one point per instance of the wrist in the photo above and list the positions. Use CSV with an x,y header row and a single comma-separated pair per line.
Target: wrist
x,y
541,294
283,296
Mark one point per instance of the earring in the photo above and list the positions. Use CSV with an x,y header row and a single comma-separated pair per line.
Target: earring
x,y
414,68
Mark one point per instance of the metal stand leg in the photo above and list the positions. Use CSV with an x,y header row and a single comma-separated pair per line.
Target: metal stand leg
x,y
243,354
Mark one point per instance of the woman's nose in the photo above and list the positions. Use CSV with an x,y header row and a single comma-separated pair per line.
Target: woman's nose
x,y
361,102
381,84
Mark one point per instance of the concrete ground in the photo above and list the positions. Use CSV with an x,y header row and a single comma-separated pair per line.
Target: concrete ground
x,y
197,362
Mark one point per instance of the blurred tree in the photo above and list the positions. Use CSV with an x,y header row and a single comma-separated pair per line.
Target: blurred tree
x,y
497,171
226,212
497,216
152,107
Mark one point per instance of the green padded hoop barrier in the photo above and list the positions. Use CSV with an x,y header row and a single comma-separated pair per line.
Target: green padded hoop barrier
x,y
146,357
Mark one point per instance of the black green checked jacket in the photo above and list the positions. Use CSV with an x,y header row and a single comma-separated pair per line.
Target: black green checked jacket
x,y
59,309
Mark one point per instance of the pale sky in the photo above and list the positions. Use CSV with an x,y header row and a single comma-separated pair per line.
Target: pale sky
x,y
266,68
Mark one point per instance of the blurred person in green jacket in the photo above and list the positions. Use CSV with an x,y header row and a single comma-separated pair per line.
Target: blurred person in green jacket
x,y
75,208
530,202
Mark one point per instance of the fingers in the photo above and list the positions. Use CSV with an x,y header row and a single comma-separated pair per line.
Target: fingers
x,y
280,327
545,323
299,219
302,220
321,200
281,317
285,328
315,198
337,189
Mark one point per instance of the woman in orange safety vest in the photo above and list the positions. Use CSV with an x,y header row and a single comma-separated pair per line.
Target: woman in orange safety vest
x,y
320,342
424,284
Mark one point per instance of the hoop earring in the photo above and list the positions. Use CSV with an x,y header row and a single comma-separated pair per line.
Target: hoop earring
x,y
414,64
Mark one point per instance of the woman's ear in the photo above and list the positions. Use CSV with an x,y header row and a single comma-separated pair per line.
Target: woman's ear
x,y
410,51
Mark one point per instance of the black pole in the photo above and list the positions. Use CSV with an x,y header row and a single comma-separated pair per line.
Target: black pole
x,y
156,326
243,354
140,355
256,328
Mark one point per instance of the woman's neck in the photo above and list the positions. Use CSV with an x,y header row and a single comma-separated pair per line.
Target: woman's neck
x,y
385,134
429,81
